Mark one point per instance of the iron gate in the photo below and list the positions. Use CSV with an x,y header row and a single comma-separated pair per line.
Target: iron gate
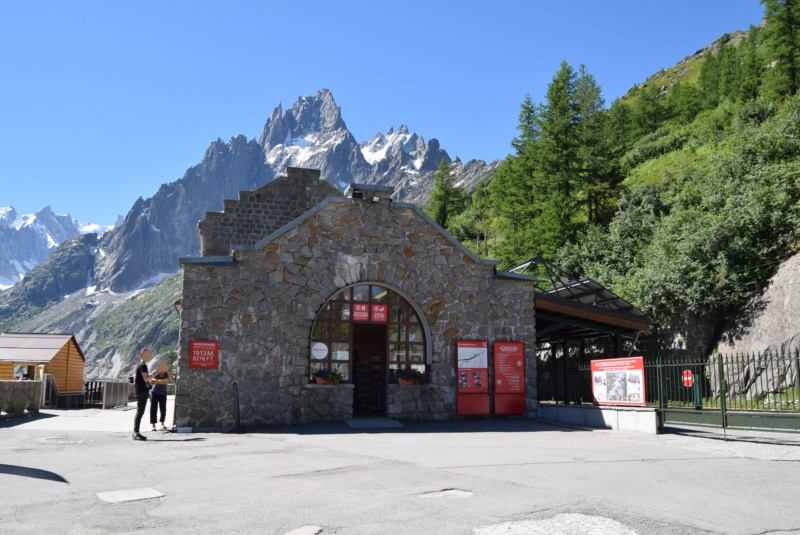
x,y
747,391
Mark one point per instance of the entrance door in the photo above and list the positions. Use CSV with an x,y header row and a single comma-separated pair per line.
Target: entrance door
x,y
369,369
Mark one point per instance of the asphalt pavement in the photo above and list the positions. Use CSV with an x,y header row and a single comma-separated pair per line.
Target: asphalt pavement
x,y
79,472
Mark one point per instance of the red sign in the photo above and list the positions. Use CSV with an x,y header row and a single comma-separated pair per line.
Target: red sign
x,y
618,381
509,378
472,376
509,368
473,365
380,313
360,312
203,354
688,378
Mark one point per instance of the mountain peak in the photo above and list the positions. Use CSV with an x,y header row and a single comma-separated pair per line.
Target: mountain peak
x,y
308,116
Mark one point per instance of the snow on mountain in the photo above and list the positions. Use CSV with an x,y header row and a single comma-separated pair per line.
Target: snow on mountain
x,y
28,239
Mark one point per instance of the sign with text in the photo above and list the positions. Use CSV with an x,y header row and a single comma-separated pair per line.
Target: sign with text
x,y
509,367
360,312
472,377
380,313
618,381
473,365
509,378
204,354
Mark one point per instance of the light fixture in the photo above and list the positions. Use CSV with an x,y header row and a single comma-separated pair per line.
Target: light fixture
x,y
376,199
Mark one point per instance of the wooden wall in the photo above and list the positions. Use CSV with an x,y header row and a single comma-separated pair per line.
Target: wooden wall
x,y
6,371
67,368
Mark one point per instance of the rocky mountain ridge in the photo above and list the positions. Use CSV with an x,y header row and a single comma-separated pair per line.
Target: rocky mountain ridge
x,y
145,246
28,239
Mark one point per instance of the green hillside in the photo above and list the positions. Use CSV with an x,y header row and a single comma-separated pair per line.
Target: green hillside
x,y
682,196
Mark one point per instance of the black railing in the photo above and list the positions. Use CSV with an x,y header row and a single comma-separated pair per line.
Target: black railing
x,y
762,382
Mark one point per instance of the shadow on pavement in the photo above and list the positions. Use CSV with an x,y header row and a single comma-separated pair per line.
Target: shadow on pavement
x,y
35,473
774,438
416,427
19,420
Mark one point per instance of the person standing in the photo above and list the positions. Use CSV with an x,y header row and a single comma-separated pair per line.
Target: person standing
x,y
158,394
142,388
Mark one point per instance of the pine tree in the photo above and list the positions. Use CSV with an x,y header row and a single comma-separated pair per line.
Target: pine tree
x,y
782,40
446,199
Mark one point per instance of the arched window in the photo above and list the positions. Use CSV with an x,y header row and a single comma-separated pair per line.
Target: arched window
x,y
373,310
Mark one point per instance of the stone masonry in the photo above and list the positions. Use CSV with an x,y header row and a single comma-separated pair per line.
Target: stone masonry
x,y
259,213
20,397
261,302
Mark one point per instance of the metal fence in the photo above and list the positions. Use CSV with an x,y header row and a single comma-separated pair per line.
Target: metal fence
x,y
106,393
734,385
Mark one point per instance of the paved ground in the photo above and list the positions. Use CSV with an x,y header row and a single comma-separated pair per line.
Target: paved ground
x,y
79,471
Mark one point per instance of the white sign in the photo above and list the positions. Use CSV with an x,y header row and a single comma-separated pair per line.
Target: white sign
x,y
319,351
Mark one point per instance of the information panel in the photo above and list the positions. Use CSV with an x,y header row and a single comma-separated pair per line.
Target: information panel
x,y
204,354
509,378
618,381
472,376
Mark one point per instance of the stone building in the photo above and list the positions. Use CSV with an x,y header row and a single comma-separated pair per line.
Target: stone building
x,y
295,278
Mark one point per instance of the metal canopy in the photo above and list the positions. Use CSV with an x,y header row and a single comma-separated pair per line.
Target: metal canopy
x,y
570,308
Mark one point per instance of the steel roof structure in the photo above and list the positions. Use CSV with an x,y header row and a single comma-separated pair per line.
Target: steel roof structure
x,y
568,308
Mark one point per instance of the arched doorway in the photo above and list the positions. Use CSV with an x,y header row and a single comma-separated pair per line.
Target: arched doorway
x,y
367,333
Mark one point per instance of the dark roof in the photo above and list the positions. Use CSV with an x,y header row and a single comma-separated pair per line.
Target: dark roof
x,y
572,308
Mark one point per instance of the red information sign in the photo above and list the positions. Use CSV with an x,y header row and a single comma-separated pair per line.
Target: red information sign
x,y
203,354
509,378
472,376
509,368
360,312
618,381
688,378
380,313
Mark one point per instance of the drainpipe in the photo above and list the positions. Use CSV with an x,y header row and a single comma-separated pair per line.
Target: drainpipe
x,y
238,428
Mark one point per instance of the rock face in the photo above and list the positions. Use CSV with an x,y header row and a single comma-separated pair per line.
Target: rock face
x,y
769,326
27,240
310,134
67,270
771,322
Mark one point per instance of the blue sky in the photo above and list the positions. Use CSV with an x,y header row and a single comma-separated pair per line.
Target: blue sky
x,y
102,102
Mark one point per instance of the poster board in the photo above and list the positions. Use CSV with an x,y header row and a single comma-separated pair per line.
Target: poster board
x,y
472,376
509,378
619,381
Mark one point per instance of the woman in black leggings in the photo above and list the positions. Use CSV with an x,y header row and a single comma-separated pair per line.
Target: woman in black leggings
x,y
158,394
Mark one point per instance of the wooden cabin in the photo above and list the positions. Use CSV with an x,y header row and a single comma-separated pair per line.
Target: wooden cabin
x,y
55,359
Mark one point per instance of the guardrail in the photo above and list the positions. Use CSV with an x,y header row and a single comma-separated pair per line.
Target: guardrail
x,y
106,393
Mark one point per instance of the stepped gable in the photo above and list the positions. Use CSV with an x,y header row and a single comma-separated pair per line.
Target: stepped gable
x,y
259,213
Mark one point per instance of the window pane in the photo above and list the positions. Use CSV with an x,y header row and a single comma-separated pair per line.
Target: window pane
x,y
398,314
341,311
343,368
318,365
396,298
341,295
414,333
416,353
379,294
320,331
397,352
341,351
341,332
361,294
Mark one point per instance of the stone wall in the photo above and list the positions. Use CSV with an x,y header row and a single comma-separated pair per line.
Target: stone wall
x,y
262,306
19,397
257,214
